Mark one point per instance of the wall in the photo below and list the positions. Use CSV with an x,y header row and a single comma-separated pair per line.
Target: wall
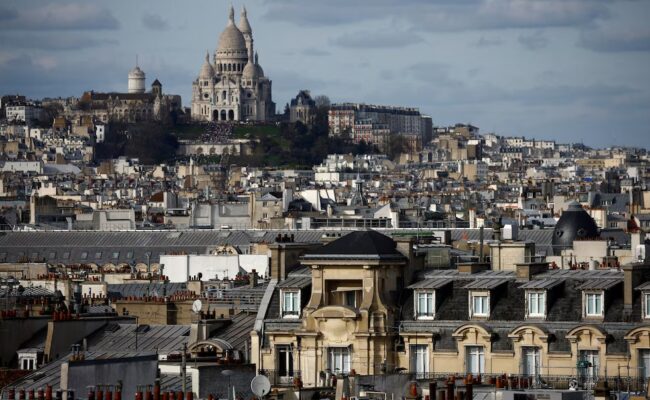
x,y
12,342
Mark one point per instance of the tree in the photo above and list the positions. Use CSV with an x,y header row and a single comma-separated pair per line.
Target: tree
x,y
322,101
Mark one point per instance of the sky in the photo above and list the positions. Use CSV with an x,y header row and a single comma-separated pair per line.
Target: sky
x,y
569,70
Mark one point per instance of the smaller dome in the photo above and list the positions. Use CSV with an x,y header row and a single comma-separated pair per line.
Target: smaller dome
x,y
207,71
136,73
244,26
250,71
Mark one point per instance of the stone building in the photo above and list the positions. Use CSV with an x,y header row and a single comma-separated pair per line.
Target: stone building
x,y
364,304
233,87
302,108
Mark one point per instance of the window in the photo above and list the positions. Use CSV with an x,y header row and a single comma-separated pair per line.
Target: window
x,y
98,254
116,255
285,363
480,305
419,360
290,304
593,304
588,365
84,255
644,363
530,360
350,299
338,359
646,304
424,305
536,304
475,360
66,255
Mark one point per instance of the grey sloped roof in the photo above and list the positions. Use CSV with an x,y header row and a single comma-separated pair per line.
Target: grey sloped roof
x,y
359,244
298,282
151,338
122,290
643,286
434,283
486,283
237,333
545,284
600,284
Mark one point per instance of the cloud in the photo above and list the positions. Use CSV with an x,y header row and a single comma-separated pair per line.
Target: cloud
x,y
154,22
488,42
443,15
613,42
314,52
59,16
436,75
376,39
49,41
533,41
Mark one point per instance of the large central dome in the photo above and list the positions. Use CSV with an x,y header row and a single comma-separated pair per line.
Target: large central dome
x,y
231,41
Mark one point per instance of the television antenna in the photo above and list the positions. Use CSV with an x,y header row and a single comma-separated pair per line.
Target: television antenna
x,y
260,386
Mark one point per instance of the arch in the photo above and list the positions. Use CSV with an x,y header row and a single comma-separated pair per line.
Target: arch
x,y
199,150
231,115
588,332
539,332
223,115
212,150
639,336
224,95
216,345
475,332
215,115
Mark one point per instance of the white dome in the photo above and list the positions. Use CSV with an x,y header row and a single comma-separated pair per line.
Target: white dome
x,y
136,73
244,26
250,71
231,41
207,71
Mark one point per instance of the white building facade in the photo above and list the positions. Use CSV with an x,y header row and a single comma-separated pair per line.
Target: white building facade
x,y
233,87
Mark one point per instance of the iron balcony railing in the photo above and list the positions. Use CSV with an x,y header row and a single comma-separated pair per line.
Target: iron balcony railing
x,y
281,378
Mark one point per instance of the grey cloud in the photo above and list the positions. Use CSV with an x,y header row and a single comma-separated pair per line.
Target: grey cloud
x,y
533,41
60,16
378,39
488,42
435,74
314,52
445,15
611,42
61,41
154,22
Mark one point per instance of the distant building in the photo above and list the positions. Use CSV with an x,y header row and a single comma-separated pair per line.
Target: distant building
x,y
135,105
302,108
233,87
23,112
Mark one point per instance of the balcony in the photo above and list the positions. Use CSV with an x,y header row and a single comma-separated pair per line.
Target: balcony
x,y
279,379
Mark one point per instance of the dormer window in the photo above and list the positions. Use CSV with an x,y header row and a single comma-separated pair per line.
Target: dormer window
x,y
535,304
479,304
424,304
290,304
593,304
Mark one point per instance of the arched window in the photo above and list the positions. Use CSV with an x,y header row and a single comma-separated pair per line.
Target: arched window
x,y
231,115
223,115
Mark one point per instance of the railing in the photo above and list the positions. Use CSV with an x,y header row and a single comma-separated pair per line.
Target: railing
x,y
279,379
559,382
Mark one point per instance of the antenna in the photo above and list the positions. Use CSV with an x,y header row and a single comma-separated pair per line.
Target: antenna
x,y
136,60
260,386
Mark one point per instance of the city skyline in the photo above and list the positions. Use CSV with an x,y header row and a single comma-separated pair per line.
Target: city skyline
x,y
573,71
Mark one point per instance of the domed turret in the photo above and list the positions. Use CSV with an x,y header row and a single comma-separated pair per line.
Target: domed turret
x,y
250,71
207,71
258,67
136,80
574,224
244,26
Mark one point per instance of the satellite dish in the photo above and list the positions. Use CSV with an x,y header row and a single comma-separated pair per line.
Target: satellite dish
x,y
197,306
260,386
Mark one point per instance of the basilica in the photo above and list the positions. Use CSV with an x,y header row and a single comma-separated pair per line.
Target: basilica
x,y
233,87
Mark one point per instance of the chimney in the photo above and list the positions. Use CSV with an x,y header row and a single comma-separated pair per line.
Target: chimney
x,y
634,274
525,271
253,278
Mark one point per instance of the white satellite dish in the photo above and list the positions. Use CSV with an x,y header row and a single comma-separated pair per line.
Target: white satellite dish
x,y
260,386
197,306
